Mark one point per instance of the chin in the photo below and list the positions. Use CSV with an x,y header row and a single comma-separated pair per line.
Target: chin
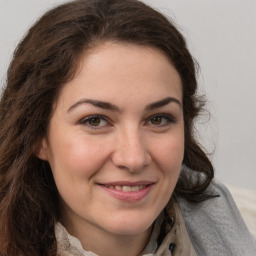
x,y
130,224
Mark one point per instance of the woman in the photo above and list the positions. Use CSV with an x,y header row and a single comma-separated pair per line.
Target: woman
x,y
98,154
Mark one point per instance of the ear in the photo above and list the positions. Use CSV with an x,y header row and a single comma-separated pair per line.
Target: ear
x,y
41,150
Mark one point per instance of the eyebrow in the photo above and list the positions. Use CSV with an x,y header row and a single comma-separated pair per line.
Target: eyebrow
x,y
112,107
96,103
163,102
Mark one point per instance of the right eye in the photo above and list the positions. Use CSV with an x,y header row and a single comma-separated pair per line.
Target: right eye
x,y
94,122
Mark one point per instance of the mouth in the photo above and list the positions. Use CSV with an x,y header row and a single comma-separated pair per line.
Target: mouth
x,y
125,188
127,191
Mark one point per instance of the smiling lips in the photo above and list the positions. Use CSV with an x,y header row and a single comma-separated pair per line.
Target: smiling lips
x,y
126,188
129,192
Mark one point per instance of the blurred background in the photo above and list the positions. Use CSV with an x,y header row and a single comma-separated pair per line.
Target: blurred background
x,y
222,37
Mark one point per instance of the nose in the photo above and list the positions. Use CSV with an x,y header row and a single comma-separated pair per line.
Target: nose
x,y
131,152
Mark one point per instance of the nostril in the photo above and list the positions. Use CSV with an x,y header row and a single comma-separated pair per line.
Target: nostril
x,y
130,152
130,163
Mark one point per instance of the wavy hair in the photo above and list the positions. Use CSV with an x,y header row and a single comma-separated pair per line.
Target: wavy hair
x,y
42,63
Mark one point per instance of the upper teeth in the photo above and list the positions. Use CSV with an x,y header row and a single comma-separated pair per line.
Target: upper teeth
x,y
126,188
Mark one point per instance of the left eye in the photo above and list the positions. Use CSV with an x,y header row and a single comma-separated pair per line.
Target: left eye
x,y
94,121
160,120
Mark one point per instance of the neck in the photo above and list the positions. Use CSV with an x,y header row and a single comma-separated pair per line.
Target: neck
x,y
117,245
104,243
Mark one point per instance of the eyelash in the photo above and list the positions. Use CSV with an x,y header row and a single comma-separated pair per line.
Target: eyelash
x,y
169,119
85,121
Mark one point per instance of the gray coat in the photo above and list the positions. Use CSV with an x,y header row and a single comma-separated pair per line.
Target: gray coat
x,y
216,228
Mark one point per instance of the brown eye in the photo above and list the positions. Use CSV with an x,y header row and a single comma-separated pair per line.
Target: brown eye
x,y
160,120
95,121
156,120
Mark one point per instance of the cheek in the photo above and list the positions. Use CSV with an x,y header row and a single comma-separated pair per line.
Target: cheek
x,y
169,153
77,155
74,162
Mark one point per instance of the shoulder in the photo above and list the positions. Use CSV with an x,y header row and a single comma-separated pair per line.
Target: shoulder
x,y
216,227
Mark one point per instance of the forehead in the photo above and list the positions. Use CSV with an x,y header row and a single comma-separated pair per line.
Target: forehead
x,y
117,71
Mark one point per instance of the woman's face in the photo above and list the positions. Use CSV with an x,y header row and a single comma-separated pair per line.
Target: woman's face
x,y
115,141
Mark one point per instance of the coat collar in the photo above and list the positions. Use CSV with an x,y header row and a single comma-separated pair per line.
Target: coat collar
x,y
174,239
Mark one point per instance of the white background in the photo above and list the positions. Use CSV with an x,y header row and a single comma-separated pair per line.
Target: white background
x,y
222,37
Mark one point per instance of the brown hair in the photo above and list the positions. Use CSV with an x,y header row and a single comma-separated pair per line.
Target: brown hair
x,y
43,62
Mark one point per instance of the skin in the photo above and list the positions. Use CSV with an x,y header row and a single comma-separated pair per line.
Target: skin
x,y
129,140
